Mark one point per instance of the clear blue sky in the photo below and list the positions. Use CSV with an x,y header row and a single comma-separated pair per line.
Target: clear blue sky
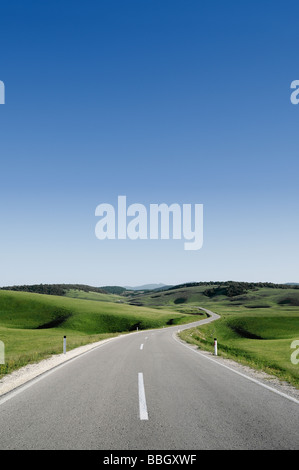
x,y
161,101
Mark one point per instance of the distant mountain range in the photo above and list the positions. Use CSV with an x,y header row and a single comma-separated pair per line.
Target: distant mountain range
x,y
215,287
148,287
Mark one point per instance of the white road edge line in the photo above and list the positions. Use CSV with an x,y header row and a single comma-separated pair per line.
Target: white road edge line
x,y
20,388
141,347
12,393
239,373
142,401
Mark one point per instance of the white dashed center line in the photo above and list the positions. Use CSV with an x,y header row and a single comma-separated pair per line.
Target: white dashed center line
x,y
142,401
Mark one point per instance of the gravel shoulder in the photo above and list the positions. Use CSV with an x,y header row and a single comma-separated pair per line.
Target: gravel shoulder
x,y
263,377
23,375
31,371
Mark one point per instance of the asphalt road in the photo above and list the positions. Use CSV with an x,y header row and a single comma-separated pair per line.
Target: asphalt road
x,y
146,391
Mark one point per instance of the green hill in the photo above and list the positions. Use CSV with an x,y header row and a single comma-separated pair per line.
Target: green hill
x,y
259,321
32,325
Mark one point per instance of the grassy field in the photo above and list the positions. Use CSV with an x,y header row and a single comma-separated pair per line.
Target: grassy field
x,y
257,325
256,329
79,294
32,326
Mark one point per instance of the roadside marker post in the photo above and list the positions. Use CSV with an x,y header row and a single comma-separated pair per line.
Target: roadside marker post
x,y
64,345
215,347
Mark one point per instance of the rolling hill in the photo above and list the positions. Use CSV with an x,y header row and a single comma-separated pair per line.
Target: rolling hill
x,y
258,322
32,325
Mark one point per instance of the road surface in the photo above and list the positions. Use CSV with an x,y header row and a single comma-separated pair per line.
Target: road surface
x,y
146,391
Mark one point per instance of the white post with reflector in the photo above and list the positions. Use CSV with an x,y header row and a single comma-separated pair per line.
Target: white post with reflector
x,y
215,347
64,345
